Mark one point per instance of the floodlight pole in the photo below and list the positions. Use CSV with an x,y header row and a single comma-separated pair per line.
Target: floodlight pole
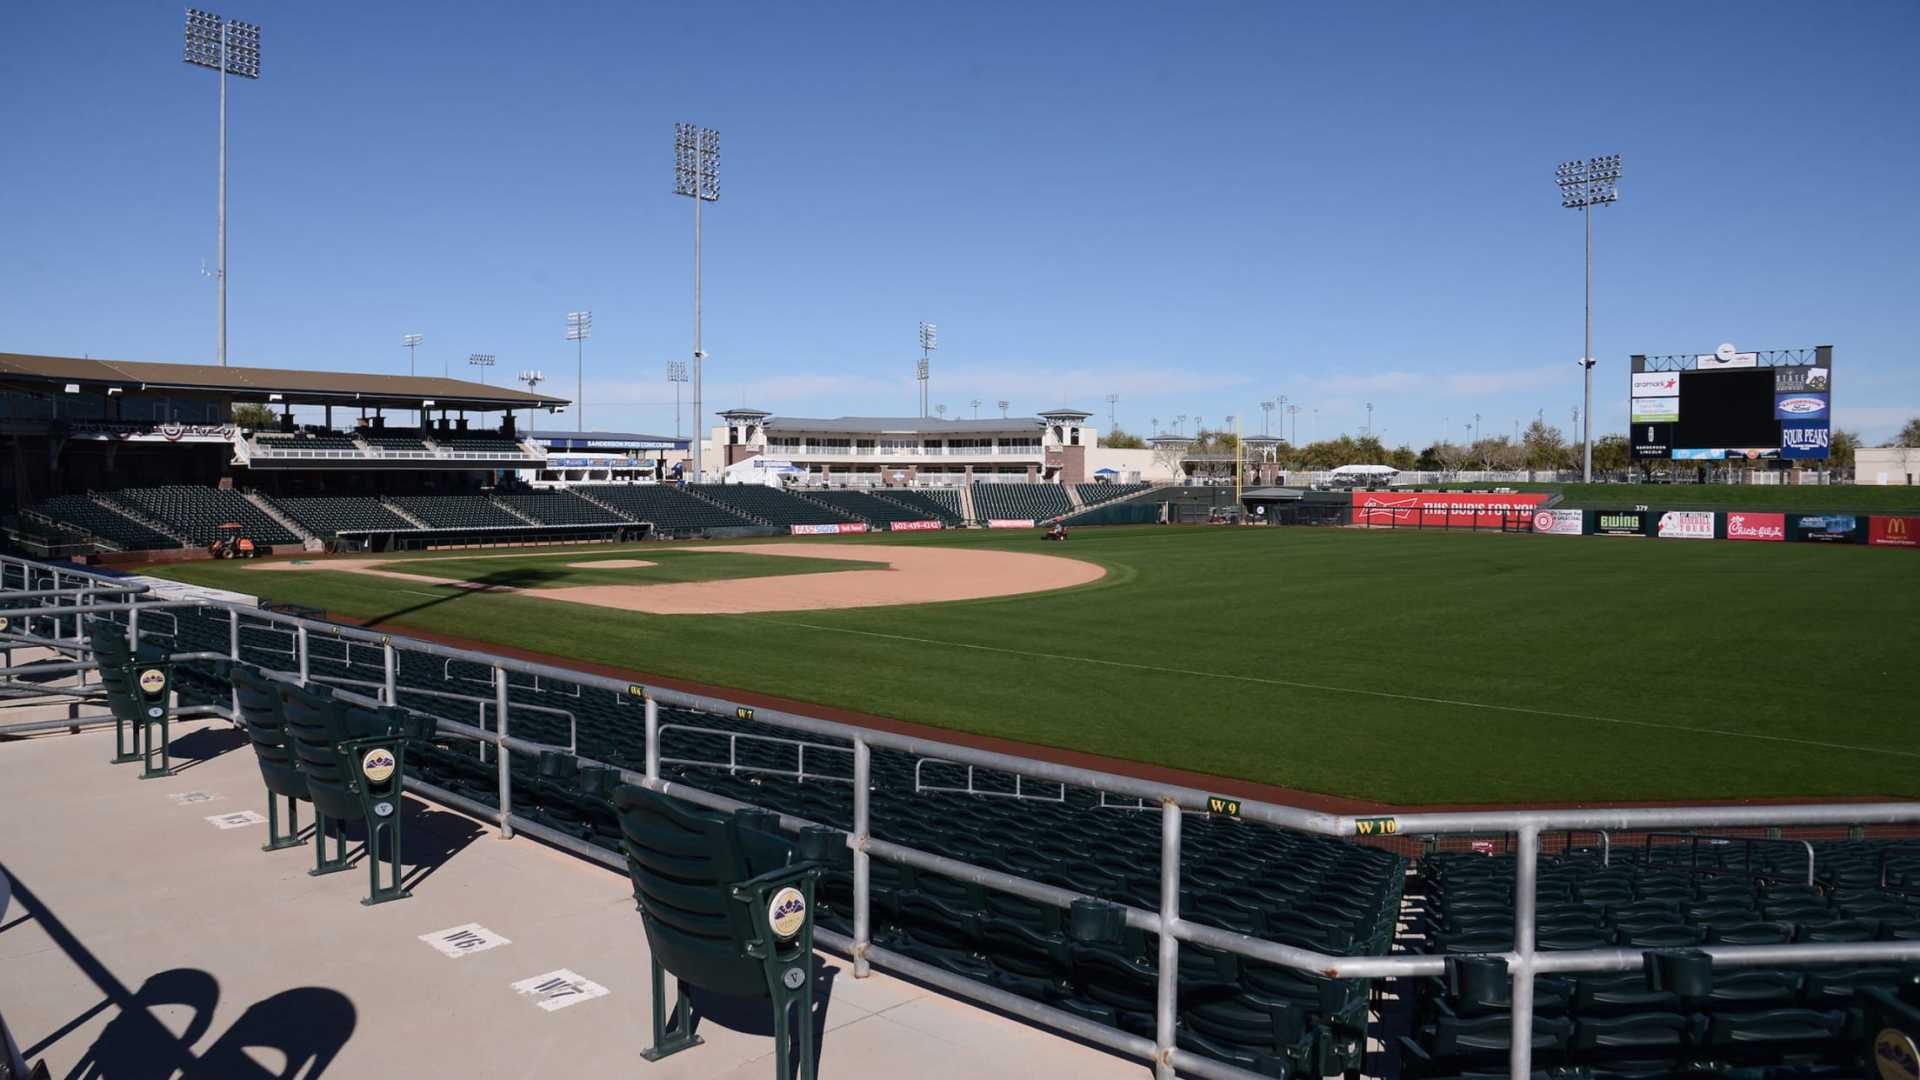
x,y
201,44
696,174
1583,185
222,279
579,329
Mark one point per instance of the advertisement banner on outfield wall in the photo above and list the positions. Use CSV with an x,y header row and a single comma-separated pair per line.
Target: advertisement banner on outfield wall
x,y
1437,509
828,530
1686,525
1826,528
1009,523
1559,522
911,526
1893,530
1745,526
1620,522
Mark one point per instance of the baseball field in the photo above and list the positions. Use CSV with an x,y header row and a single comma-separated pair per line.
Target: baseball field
x,y
1402,667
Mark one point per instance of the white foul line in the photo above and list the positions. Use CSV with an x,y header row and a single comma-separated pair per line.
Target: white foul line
x,y
1877,750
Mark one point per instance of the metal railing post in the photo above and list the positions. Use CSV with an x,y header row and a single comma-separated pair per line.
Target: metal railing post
x,y
857,840
1525,885
133,630
501,752
653,739
1166,998
389,660
300,649
233,653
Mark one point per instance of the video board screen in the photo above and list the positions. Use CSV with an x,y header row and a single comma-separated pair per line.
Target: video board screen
x,y
1730,404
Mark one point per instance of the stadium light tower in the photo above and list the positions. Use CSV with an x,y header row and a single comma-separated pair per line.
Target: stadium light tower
x,y
483,361
533,378
1583,186
412,342
579,329
941,410
676,374
1003,409
1180,424
1266,418
229,47
929,341
1294,411
696,174
1112,400
976,408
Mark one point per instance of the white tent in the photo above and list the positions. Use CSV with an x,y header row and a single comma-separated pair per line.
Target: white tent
x,y
760,470
1366,470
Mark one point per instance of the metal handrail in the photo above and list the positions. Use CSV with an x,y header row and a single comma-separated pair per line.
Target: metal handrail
x,y
920,787
733,765
1524,961
1693,852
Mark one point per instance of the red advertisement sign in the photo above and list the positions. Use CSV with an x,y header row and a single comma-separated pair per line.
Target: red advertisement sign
x,y
1742,526
912,526
1893,531
1434,509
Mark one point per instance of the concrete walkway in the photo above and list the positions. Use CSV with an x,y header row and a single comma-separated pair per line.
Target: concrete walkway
x,y
145,940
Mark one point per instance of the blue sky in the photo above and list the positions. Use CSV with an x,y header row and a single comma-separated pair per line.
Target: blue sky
x,y
1196,207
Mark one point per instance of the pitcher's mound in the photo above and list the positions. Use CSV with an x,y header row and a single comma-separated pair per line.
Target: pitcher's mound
x,y
611,564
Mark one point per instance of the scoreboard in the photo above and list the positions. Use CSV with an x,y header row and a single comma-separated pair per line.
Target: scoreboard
x,y
1730,404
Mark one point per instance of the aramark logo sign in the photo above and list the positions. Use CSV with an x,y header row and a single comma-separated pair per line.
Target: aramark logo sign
x,y
1656,384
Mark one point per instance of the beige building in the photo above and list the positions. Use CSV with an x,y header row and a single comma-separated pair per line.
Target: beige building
x,y
1899,465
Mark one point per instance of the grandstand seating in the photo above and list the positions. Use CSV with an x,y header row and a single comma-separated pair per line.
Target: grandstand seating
x,y
1093,494
557,507
939,503
1328,895
668,508
1036,501
476,442
83,514
1662,898
871,509
394,439
456,511
771,505
326,515
197,513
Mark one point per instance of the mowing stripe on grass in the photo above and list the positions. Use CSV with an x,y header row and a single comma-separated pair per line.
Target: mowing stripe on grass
x,y
1490,707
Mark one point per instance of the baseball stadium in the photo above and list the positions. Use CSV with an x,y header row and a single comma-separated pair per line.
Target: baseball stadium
x,y
371,724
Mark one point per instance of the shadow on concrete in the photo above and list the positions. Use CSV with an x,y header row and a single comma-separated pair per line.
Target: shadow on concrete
x,y
199,747
306,1025
754,1016
429,838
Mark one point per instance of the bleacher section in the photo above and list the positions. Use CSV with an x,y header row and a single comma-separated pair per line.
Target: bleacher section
x,y
875,511
668,508
395,440
1310,891
476,442
197,513
323,443
1662,898
939,503
326,515
770,504
1012,501
456,511
558,508
81,513
1093,494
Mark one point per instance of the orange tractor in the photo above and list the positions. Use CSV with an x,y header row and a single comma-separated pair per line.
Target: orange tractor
x,y
230,544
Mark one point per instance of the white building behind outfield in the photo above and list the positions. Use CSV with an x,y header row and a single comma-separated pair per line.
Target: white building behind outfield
x,y
608,457
1056,446
1898,465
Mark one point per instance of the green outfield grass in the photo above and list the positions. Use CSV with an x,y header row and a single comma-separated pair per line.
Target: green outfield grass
x,y
1407,667
1836,498
553,569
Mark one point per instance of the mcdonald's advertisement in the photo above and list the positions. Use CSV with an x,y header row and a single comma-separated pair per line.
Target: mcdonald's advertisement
x,y
1885,530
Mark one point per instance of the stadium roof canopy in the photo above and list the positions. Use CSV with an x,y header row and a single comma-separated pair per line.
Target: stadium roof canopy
x,y
56,374
900,425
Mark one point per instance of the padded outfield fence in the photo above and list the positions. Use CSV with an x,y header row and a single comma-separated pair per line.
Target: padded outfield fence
x,y
520,715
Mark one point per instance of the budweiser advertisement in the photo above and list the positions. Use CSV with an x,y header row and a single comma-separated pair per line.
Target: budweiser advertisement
x,y
1756,526
911,526
1887,530
1441,508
